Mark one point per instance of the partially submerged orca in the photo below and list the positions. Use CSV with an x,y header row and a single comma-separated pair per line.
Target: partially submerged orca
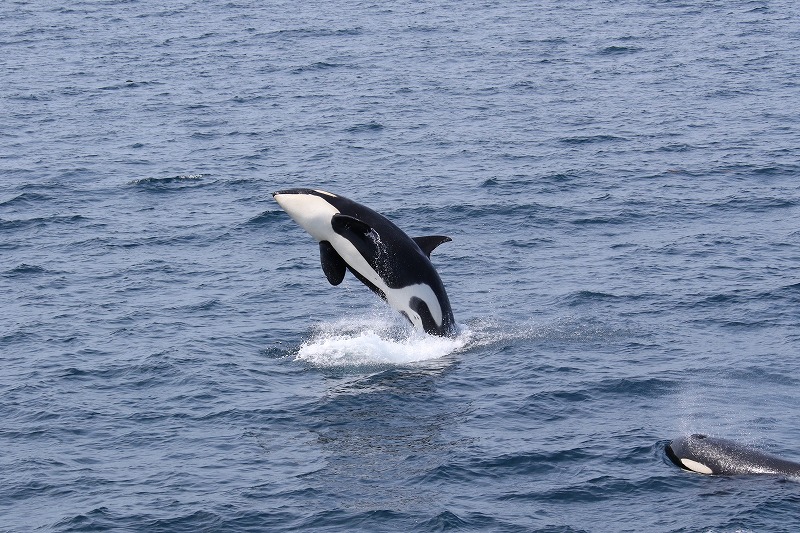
x,y
389,262
721,457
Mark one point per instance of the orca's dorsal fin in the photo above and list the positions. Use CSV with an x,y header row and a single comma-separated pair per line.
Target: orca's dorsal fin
x,y
341,222
430,242
332,263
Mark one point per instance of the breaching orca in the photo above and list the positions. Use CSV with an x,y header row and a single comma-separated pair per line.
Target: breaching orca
x,y
389,262
722,457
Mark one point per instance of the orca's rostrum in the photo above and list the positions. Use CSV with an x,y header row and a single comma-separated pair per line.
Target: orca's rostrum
x,y
393,265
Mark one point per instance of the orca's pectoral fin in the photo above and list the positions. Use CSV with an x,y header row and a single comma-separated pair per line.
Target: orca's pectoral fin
x,y
332,263
430,242
341,223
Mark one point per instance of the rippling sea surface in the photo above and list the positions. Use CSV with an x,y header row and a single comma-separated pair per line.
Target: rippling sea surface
x,y
621,181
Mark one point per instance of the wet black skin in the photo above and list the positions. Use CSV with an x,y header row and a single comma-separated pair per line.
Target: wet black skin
x,y
727,458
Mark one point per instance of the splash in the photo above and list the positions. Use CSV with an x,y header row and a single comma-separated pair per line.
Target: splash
x,y
381,338
375,341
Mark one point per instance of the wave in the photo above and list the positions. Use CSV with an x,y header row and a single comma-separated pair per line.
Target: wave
x,y
24,269
25,199
39,222
180,181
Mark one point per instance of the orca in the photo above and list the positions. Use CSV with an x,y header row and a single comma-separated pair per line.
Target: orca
x,y
393,265
721,457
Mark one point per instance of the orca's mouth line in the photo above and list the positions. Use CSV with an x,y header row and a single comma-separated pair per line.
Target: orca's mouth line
x,y
300,190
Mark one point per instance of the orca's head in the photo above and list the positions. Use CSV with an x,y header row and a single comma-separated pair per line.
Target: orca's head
x,y
688,452
310,208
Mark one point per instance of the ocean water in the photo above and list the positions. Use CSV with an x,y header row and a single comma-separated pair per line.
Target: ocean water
x,y
621,181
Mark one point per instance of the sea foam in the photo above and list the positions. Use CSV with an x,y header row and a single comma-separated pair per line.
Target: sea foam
x,y
374,340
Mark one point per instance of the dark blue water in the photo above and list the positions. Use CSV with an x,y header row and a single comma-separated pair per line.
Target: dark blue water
x,y
621,181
